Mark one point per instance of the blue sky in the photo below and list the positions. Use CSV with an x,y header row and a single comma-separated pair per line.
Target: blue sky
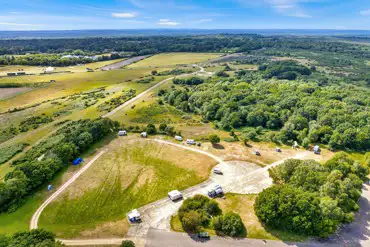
x,y
211,14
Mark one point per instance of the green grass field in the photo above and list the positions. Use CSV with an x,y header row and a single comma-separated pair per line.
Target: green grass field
x,y
40,69
174,59
133,173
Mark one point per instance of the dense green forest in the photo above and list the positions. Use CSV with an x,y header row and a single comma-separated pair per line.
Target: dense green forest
x,y
280,110
310,198
42,162
201,43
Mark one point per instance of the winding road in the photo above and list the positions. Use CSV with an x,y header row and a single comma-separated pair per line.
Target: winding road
x,y
149,90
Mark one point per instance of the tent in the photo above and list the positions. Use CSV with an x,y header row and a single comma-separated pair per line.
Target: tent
x,y
77,161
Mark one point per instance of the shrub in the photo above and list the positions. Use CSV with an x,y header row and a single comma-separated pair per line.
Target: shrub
x,y
127,243
214,139
150,129
191,221
230,224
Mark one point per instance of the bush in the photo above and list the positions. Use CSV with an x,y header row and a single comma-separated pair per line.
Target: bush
x,y
150,129
214,139
191,221
127,243
8,152
230,224
36,237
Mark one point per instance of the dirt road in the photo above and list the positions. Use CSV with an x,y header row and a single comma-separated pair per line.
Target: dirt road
x,y
147,91
123,63
36,215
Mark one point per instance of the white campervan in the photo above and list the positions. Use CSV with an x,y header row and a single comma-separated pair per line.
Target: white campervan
x,y
178,138
190,142
175,195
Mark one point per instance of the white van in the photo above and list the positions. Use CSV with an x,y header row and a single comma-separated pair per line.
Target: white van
x,y
190,142
174,195
122,133
178,138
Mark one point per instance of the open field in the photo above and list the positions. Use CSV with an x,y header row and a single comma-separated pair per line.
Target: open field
x,y
133,173
174,59
40,69
11,92
67,84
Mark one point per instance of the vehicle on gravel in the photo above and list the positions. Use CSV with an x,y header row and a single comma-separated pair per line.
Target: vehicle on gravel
x,y
144,135
190,142
278,150
256,152
216,192
134,216
217,170
174,195
122,133
203,235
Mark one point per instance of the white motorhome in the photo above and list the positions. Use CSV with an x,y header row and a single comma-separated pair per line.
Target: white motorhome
x,y
134,216
144,135
122,133
190,142
217,170
178,138
174,195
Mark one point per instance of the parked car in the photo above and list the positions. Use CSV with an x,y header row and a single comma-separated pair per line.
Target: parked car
x,y
256,152
203,235
178,138
217,170
216,191
190,142
278,150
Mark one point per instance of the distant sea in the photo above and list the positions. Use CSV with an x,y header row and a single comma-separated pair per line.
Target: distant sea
x,y
149,32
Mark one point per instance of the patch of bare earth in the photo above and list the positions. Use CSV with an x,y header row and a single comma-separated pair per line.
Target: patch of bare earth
x,y
107,230
6,93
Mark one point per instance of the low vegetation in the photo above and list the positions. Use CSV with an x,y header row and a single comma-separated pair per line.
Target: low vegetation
x,y
42,162
8,152
37,238
312,199
200,212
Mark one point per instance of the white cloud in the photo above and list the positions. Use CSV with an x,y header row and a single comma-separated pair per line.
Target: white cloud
x,y
19,24
125,15
203,20
168,22
365,12
283,7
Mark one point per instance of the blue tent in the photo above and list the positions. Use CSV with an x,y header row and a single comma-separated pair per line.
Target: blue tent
x,y
77,161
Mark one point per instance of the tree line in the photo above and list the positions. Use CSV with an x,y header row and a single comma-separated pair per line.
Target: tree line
x,y
281,111
312,199
41,163
52,59
192,43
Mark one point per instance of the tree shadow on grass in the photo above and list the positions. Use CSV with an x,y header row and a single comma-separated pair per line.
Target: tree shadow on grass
x,y
218,146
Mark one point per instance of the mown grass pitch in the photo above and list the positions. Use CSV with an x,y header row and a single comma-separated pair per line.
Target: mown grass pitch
x,y
173,59
133,173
